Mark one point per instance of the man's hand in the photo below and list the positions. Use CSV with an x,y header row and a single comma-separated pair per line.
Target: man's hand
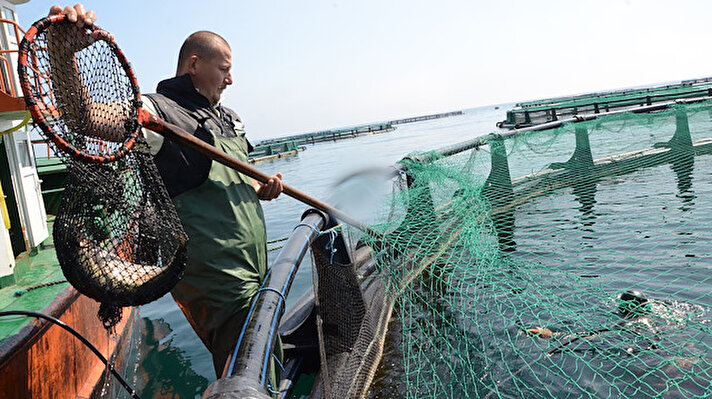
x,y
75,14
81,17
271,190
81,113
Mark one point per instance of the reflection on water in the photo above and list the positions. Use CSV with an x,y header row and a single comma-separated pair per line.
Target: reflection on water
x,y
682,158
165,369
683,165
584,192
498,191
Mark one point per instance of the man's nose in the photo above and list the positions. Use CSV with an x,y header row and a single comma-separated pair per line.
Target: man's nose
x,y
228,79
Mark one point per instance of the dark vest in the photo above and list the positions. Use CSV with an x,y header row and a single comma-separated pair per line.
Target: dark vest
x,y
178,102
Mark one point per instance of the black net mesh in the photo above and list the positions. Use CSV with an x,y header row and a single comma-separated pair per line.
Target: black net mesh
x,y
117,235
354,309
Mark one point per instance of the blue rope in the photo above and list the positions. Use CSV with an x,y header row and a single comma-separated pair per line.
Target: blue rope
x,y
333,233
263,289
244,325
271,390
308,225
276,359
269,383
330,246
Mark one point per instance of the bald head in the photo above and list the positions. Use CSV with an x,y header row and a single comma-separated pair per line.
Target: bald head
x,y
203,44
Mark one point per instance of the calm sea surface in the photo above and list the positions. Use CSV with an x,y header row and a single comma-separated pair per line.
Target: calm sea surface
x,y
173,362
623,223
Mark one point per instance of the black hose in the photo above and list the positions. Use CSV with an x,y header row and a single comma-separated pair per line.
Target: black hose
x,y
83,340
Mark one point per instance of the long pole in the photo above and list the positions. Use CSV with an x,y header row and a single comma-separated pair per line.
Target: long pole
x,y
180,136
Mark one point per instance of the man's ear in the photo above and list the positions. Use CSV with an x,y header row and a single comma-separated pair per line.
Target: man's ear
x,y
192,65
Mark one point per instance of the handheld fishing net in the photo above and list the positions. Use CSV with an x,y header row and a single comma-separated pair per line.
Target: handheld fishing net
x,y
571,262
117,235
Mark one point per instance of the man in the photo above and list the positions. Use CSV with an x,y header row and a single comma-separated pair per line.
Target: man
x,y
218,207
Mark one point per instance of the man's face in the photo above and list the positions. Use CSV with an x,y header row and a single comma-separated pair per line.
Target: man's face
x,y
212,75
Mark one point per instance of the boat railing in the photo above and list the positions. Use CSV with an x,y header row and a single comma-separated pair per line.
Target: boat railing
x,y
247,367
7,77
8,87
7,84
43,142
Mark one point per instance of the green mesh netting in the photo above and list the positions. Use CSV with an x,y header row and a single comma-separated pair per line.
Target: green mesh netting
x,y
564,263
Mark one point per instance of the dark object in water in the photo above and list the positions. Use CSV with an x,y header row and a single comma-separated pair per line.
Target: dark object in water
x,y
633,303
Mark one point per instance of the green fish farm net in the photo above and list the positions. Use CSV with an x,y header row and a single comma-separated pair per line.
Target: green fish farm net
x,y
571,262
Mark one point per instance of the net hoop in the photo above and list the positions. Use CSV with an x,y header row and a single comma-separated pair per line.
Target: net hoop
x,y
24,65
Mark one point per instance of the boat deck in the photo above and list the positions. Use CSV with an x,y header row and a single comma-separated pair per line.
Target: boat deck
x,y
35,285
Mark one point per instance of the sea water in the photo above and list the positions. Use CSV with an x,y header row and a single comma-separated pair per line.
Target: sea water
x,y
174,363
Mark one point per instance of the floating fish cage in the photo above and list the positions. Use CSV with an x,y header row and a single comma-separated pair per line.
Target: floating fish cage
x,y
265,152
565,260
272,149
350,132
331,135
532,113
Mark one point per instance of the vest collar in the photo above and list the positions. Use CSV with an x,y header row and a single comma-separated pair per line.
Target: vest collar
x,y
181,90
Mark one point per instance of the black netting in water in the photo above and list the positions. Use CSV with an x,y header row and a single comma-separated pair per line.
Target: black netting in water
x,y
117,235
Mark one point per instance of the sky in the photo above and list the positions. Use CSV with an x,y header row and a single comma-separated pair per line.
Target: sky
x,y
309,65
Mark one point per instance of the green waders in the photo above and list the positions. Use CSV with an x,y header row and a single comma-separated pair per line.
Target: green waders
x,y
227,254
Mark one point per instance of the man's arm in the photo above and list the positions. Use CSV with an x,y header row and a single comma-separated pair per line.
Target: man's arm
x,y
98,120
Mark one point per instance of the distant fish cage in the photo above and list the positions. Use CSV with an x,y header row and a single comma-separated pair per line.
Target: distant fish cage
x,y
331,135
265,152
532,113
350,132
